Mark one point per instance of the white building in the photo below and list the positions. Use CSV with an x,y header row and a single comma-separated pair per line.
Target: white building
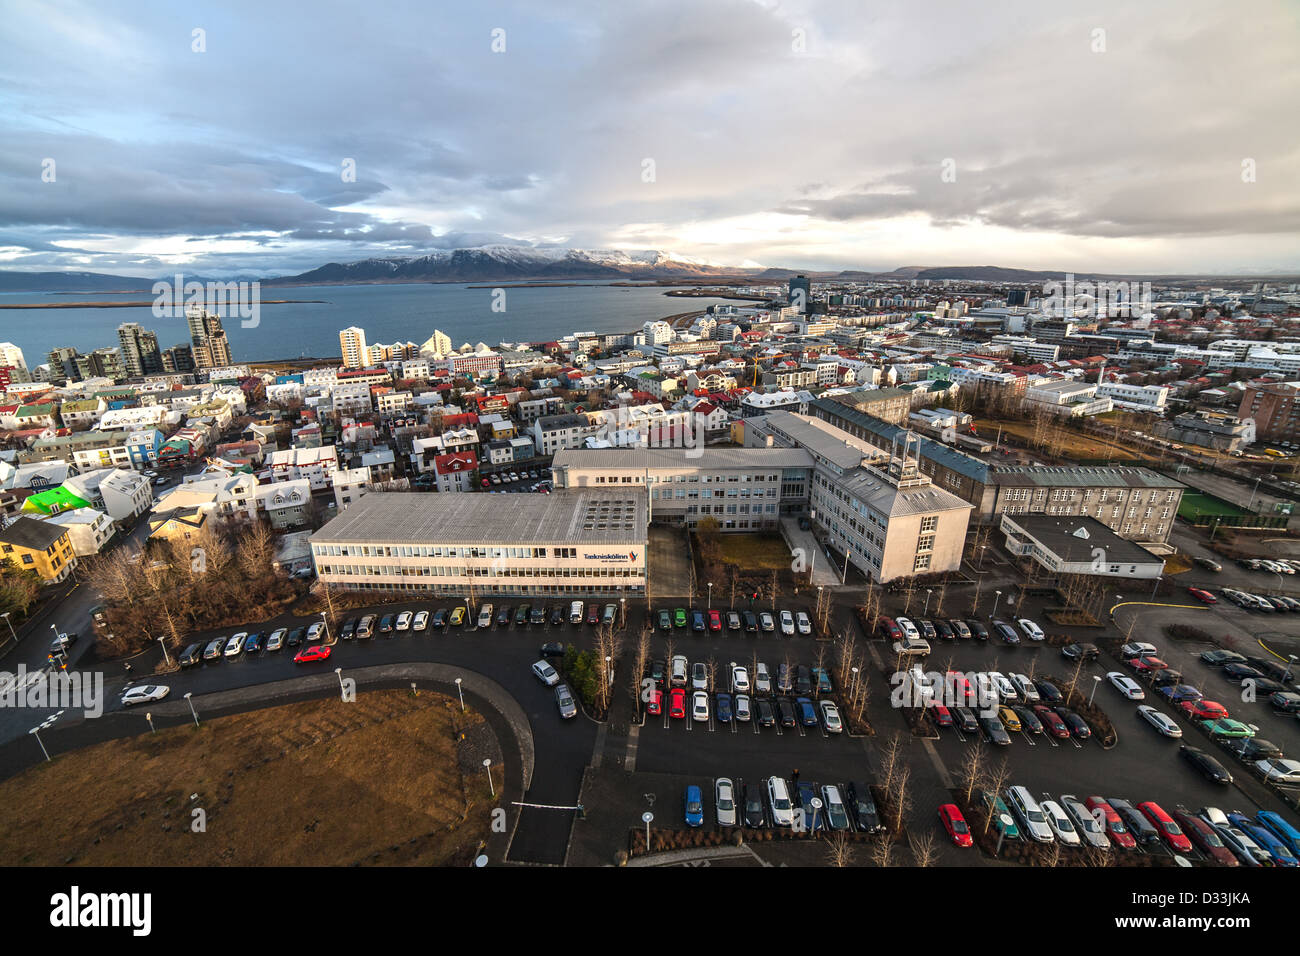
x,y
88,529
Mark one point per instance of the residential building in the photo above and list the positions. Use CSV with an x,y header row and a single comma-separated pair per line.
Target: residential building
x,y
30,544
352,343
139,350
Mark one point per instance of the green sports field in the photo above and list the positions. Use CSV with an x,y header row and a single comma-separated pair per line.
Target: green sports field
x,y
1195,502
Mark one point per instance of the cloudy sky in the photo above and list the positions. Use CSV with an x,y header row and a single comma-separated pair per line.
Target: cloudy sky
x,y
845,134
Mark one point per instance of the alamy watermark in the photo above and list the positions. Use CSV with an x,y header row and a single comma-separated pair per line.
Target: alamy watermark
x,y
177,298
39,690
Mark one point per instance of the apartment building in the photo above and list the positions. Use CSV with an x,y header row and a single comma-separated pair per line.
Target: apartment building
x,y
36,545
571,543
1275,409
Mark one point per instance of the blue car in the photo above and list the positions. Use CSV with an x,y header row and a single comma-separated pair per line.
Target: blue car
x,y
814,818
1265,837
697,621
694,807
722,709
253,642
1177,693
1280,829
807,713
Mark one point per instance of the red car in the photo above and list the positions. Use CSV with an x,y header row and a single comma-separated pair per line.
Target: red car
x,y
1205,838
715,620
1202,595
313,652
1169,831
1115,828
942,716
955,824
677,702
655,705
1147,665
889,629
1052,721
1203,709
962,692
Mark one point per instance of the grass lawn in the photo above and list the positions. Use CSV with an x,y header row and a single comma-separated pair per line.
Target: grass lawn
x,y
1086,447
319,783
1195,502
755,552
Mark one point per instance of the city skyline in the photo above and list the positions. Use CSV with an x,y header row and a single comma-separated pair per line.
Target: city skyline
x,y
808,136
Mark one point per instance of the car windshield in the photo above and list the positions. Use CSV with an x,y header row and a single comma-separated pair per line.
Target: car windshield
x,y
781,803
959,826
693,807
724,803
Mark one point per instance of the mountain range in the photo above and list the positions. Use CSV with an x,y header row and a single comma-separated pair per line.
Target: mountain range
x,y
524,263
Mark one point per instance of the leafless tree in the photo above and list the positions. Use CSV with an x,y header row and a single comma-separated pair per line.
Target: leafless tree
x,y
882,851
972,772
839,851
924,850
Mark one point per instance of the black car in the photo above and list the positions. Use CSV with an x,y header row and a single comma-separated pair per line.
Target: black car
x,y
753,808
751,622
1250,749
964,718
1273,670
1087,652
537,615
665,621
944,631
1078,726
348,629
1267,688
386,623
503,615
521,614
295,637
191,655
862,807
1029,721
803,680
593,613
697,621
994,731
766,714
658,673
1166,677
1006,632
557,614
553,649
1048,692
1142,829
1205,765
1288,702
1218,657
439,618
978,630
785,707
1240,672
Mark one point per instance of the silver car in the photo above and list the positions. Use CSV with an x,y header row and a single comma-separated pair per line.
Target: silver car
x,y
564,700
699,676
724,800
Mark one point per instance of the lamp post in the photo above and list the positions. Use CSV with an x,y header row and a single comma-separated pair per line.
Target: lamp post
x,y
149,717
12,632
854,671
1251,504
926,610
189,700
983,548
1096,679
36,732
647,818
324,620
710,595
460,695
997,596
487,765
816,805
339,672
162,641
622,612
1289,664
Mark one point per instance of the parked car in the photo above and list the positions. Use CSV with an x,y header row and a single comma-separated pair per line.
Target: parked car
x,y
191,655
1052,721
297,634
1136,821
564,701
754,814
1113,823
715,619
693,803
1085,823
862,807
313,652
1034,632
733,621
484,616
677,669
1204,836
665,621
994,731
751,622
1063,827
700,706
1218,657
762,679
722,708
1048,692
503,615
235,646
1029,814
802,623
1126,685
779,803
787,624
699,676
744,710
1164,824
830,716
955,825
807,713
766,622
960,629
1162,723
1003,822
349,628
677,703
977,629
786,712
546,673
385,624
724,801
1075,651
403,621
1205,765
1203,709
1281,771
766,712
144,694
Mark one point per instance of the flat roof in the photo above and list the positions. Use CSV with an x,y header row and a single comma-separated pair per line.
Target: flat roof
x,y
582,515
1077,538
1076,476
686,458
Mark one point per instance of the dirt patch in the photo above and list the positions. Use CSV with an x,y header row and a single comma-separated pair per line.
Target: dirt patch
x,y
319,783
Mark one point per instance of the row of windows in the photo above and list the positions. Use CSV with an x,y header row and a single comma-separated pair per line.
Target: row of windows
x,y
665,494
435,551
460,571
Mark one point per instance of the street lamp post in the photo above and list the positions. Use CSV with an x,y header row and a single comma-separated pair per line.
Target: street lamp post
x,y
162,640
487,765
324,620
816,806
149,717
997,596
710,595
12,632
983,548
622,612
339,673
1289,664
1096,680
926,610
189,700
1251,504
647,818
461,695
36,732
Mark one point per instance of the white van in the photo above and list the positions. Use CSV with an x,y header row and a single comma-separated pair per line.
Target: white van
x,y
778,800
575,612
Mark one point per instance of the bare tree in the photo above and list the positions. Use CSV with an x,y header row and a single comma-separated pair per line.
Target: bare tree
x,y
839,851
972,772
882,851
924,850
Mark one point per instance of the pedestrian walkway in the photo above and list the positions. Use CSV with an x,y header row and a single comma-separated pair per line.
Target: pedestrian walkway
x,y
804,545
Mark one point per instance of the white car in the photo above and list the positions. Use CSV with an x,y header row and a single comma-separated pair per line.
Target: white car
x,y
1060,823
314,632
1126,685
762,679
546,673
830,716
1031,816
787,623
404,621
1025,687
837,816
1279,770
909,629
1160,721
766,623
485,616
1033,630
421,621
724,801
743,710
235,646
699,676
1087,825
144,694
1137,649
677,670
739,679
1006,690
802,622
700,706
778,801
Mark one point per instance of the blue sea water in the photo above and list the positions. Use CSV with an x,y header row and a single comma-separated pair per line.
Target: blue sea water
x,y
388,313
